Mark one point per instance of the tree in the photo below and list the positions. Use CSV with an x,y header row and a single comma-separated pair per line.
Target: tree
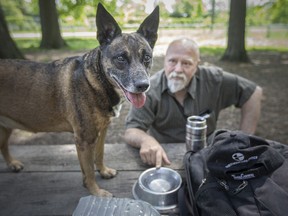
x,y
212,14
51,36
280,11
8,48
235,50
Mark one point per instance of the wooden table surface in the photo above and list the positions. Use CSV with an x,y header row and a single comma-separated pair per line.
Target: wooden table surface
x,y
51,182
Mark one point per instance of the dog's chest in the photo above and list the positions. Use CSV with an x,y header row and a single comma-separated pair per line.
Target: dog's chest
x,y
117,108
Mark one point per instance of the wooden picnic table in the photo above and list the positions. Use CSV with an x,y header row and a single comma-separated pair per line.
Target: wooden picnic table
x,y
51,182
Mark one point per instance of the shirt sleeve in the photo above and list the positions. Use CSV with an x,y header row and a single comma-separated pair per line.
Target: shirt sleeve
x,y
235,90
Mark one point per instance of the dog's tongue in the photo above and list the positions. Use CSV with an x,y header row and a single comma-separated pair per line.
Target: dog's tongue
x,y
138,100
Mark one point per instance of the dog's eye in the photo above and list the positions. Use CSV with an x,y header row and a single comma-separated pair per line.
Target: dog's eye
x,y
147,58
120,59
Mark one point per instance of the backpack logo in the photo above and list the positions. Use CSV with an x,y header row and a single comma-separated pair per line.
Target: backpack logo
x,y
238,156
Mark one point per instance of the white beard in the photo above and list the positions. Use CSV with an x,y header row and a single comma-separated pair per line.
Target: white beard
x,y
176,85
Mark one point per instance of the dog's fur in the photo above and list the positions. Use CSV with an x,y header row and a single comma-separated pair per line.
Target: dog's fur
x,y
78,94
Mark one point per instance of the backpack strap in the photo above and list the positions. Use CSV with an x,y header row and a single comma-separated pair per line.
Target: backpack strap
x,y
184,204
189,182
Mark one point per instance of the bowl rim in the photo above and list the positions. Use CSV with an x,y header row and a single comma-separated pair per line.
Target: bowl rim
x,y
159,193
157,207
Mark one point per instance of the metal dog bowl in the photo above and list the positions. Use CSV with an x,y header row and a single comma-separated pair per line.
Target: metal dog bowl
x,y
159,187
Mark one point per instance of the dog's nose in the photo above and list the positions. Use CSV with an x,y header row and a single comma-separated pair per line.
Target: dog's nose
x,y
142,86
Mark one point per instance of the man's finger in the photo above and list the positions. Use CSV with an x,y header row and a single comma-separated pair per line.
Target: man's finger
x,y
158,159
165,159
144,158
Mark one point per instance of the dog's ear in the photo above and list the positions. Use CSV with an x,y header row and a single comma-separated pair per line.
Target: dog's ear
x,y
107,27
149,27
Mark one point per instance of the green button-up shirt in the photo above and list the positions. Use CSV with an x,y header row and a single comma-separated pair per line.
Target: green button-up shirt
x,y
210,90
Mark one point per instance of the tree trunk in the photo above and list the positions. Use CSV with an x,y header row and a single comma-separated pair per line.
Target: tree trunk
x,y
212,15
235,50
51,36
8,48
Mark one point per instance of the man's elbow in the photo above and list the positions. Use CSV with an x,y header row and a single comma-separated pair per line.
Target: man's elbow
x,y
255,98
127,134
258,92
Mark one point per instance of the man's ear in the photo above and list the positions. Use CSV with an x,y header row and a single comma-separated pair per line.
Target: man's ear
x,y
107,27
149,27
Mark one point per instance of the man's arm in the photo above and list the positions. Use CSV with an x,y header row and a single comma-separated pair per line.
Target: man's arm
x,y
250,112
151,152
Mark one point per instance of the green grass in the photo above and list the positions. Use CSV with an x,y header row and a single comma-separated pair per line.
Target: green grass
x,y
218,51
214,51
75,44
81,43
28,44
268,49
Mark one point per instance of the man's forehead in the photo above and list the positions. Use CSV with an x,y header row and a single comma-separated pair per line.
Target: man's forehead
x,y
180,49
180,56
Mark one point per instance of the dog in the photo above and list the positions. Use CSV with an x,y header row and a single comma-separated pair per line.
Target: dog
x,y
79,94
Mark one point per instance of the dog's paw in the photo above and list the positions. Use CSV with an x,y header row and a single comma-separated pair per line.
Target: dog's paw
x,y
95,190
15,166
108,173
103,193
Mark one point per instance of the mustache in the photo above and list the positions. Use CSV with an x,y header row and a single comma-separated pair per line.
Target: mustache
x,y
177,75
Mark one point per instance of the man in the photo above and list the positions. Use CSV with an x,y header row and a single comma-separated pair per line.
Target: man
x,y
183,89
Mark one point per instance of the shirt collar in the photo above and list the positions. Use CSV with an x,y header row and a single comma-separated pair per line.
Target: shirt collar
x,y
193,84
164,82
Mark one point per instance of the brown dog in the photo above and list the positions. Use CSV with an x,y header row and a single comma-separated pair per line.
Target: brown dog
x,y
79,94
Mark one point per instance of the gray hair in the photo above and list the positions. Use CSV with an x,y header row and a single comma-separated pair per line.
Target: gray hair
x,y
186,42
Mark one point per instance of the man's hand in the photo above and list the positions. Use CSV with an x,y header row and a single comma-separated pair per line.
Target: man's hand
x,y
153,154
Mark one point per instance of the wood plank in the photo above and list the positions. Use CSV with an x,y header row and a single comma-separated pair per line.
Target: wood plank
x,y
54,193
51,183
47,158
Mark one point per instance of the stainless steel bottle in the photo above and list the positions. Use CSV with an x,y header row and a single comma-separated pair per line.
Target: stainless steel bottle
x,y
196,130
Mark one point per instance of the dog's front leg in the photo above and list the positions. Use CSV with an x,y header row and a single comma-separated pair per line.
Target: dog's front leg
x,y
12,163
105,171
85,153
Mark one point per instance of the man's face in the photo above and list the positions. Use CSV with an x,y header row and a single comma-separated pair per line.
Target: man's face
x,y
180,65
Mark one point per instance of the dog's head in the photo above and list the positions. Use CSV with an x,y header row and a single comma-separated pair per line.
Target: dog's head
x,y
127,58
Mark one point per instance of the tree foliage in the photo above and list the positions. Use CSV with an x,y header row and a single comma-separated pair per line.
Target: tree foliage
x,y
268,12
279,12
21,15
80,10
183,9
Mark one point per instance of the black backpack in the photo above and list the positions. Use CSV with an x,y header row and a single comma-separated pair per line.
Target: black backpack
x,y
238,174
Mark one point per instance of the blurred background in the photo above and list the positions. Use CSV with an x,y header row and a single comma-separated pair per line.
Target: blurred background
x,y
52,23
245,37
